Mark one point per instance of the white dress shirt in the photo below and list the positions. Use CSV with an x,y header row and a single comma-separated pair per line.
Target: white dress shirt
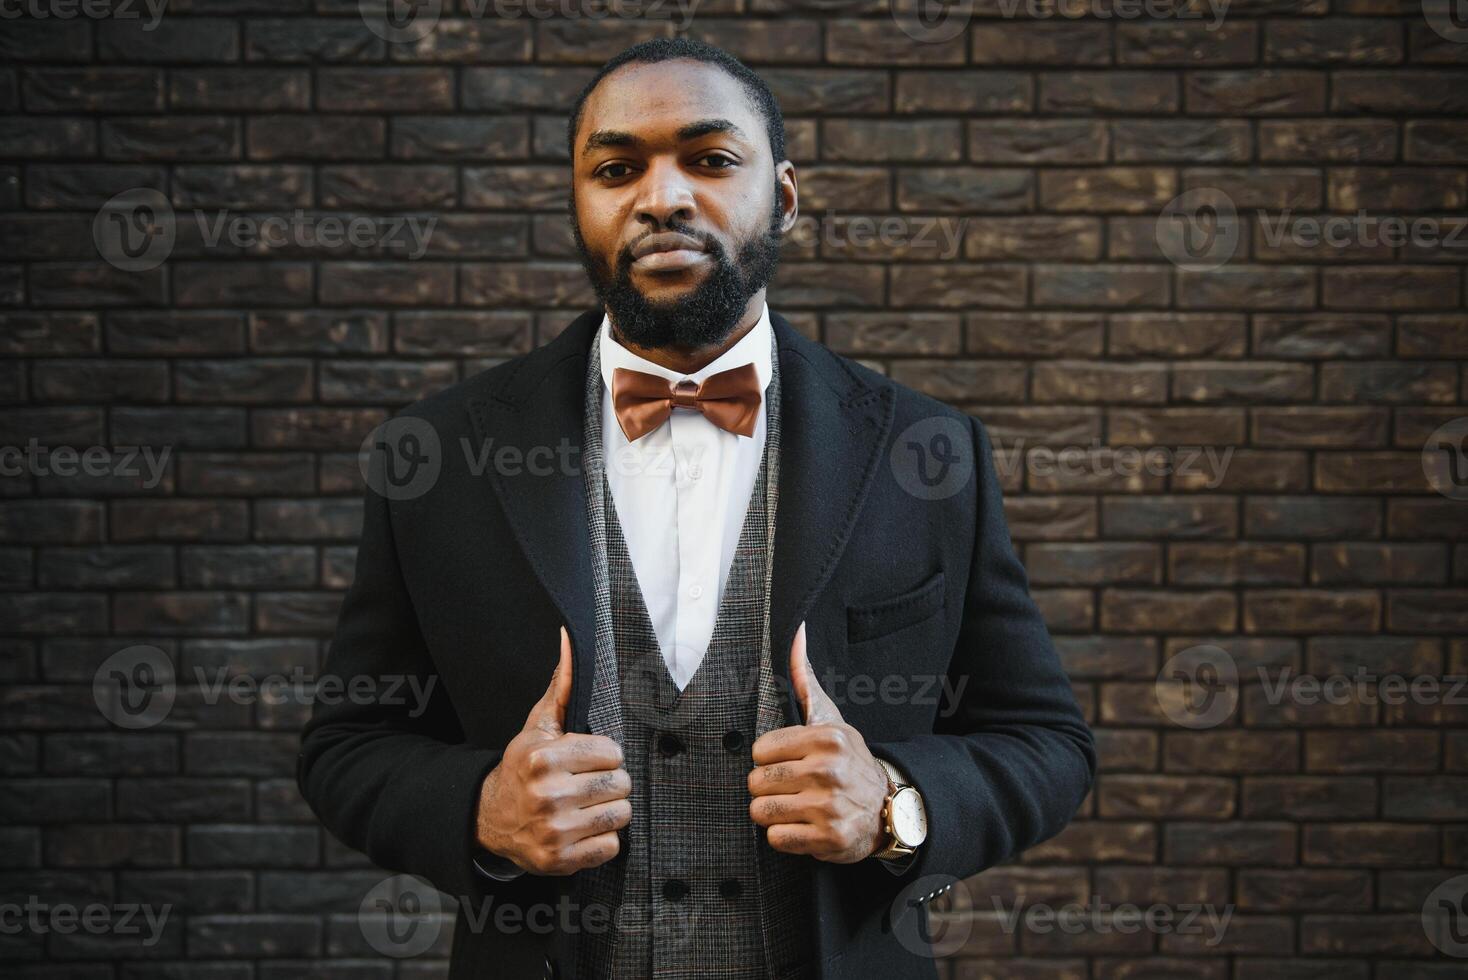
x,y
681,492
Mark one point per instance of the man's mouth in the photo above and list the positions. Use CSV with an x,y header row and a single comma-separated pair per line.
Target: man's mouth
x,y
667,252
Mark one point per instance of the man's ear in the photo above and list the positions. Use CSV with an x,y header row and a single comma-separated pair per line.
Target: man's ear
x,y
789,188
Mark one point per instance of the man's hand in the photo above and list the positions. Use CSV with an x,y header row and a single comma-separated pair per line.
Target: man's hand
x,y
816,787
556,800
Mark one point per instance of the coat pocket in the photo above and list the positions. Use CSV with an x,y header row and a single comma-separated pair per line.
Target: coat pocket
x,y
873,620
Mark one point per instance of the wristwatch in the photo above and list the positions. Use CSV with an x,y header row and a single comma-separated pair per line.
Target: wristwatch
x,y
903,816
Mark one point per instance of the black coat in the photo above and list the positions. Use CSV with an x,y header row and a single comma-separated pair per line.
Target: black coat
x,y
467,583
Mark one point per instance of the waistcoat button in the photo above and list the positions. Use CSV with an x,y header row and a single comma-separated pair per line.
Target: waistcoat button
x,y
675,889
733,741
669,744
730,888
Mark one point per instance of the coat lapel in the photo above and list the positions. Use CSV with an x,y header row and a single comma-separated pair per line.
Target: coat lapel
x,y
833,425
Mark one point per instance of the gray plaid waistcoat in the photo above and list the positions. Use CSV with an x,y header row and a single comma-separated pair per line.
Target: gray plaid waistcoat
x,y
695,892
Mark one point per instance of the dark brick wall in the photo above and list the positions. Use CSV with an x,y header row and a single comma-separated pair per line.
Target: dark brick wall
x,y
1316,374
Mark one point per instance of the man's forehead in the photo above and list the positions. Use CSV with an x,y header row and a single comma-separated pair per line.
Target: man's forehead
x,y
655,101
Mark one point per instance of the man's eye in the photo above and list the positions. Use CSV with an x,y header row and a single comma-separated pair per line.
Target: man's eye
x,y
719,161
614,171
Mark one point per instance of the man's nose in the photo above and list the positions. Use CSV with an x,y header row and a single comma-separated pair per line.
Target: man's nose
x,y
666,195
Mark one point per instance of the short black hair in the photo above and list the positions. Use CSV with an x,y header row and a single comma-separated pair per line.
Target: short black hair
x,y
671,48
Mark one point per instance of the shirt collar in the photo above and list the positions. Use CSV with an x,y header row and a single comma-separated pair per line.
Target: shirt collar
x,y
753,347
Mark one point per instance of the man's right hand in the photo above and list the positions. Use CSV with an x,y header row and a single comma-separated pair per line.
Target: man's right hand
x,y
554,803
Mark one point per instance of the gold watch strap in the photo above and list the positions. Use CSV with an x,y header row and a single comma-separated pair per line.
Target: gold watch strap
x,y
894,850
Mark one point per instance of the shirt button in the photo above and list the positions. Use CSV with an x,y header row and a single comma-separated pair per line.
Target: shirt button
x,y
696,591
695,471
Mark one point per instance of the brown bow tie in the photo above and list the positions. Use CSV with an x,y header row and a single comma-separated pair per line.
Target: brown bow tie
x,y
729,399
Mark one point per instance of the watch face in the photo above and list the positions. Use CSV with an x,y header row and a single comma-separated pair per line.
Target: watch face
x,y
909,819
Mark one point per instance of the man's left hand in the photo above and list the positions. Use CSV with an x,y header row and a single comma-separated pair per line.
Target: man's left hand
x,y
816,788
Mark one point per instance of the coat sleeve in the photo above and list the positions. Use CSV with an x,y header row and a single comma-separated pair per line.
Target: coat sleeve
x,y
386,769
1008,765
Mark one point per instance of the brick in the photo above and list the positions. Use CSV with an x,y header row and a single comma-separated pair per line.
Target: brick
x,y
876,334
1244,563
1133,92
1339,41
892,141
1254,93
961,92
1327,140
954,189
1365,844
1040,42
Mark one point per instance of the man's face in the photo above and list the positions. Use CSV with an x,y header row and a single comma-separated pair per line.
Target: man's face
x,y
677,206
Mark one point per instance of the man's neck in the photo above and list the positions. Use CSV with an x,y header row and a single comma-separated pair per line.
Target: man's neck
x,y
686,360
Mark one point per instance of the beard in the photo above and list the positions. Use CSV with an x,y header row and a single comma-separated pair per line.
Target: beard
x,y
704,316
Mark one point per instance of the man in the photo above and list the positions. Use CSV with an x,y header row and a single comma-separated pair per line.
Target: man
x,y
756,673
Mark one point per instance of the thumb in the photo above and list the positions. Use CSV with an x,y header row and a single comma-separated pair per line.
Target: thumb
x,y
815,705
549,714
